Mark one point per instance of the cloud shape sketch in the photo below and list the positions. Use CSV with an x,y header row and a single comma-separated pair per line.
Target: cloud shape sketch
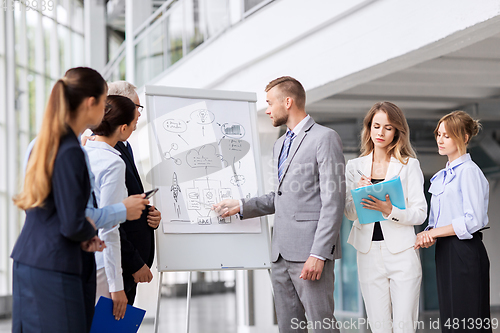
x,y
205,157
202,161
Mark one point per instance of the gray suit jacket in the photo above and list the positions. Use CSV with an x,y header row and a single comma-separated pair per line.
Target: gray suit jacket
x,y
309,201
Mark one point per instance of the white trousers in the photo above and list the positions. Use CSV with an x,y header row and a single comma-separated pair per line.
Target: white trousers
x,y
102,287
390,285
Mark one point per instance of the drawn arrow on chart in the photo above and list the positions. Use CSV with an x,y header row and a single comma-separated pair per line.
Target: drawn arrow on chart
x,y
236,178
219,124
208,183
203,130
182,139
221,140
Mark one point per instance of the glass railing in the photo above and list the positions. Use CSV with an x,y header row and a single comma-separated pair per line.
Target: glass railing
x,y
177,28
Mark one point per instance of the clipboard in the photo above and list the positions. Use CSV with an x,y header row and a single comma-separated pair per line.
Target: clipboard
x,y
105,322
392,187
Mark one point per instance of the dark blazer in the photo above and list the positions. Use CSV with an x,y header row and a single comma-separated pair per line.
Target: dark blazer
x,y
136,237
51,236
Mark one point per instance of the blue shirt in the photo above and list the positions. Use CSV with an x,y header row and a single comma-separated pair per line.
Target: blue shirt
x,y
104,217
459,197
109,170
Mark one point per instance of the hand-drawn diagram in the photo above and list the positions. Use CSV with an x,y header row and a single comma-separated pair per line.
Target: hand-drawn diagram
x,y
233,130
203,116
204,194
201,162
205,157
168,154
175,192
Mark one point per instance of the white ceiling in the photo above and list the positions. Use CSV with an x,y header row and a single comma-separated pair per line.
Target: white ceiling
x,y
467,77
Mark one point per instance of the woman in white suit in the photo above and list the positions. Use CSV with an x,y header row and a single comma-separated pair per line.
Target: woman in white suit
x,y
389,268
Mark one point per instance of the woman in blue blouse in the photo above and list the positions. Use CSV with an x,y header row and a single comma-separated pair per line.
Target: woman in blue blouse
x,y
109,170
47,287
459,207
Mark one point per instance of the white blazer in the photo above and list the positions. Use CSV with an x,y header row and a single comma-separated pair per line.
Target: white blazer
x,y
398,230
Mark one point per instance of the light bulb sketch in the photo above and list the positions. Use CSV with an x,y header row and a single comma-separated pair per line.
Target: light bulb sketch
x,y
203,116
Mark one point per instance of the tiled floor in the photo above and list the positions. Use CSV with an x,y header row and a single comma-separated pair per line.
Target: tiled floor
x,y
217,314
209,314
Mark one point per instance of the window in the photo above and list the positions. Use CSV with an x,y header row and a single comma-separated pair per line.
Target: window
x,y
252,5
47,41
174,32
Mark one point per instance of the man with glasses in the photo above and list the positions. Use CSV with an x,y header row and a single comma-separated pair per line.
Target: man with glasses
x,y
136,237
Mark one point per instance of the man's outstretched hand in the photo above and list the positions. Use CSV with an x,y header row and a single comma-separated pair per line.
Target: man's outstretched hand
x,y
227,207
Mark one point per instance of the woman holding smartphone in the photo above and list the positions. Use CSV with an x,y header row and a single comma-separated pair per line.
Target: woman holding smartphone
x,y
389,268
459,207
109,171
47,287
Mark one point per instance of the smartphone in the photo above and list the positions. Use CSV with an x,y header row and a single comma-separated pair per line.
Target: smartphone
x,y
149,194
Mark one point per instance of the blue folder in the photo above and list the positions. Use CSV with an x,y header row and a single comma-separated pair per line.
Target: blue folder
x,y
105,322
392,187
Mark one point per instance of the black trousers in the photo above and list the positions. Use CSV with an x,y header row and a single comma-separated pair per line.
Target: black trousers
x,y
463,284
89,286
130,288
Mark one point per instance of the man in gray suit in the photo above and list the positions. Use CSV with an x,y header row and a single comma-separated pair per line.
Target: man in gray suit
x,y
308,204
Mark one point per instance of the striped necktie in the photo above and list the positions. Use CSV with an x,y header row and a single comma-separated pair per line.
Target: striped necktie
x,y
284,153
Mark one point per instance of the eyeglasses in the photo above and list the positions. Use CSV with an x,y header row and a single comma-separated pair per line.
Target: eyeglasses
x,y
139,108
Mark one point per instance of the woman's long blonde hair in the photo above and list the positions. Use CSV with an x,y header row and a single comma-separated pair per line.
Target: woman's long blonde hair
x,y
67,95
400,147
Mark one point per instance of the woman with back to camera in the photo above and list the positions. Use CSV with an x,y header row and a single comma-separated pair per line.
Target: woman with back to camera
x,y
47,287
389,268
109,171
459,207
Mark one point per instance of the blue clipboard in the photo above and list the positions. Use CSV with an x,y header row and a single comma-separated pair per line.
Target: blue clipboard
x,y
105,322
392,187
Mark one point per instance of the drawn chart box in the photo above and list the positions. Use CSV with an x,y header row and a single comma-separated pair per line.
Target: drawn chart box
x,y
223,220
225,193
202,220
209,196
193,196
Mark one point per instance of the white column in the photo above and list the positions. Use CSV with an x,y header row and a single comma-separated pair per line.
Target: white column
x,y
39,79
4,200
141,12
11,135
95,34
136,13
129,40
